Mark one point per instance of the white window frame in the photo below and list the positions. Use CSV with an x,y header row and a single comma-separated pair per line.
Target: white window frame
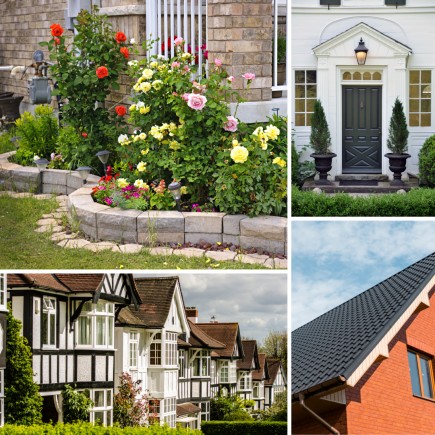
x,y
245,381
49,305
224,366
106,409
101,310
201,362
169,410
171,352
133,349
256,390
181,364
155,353
3,298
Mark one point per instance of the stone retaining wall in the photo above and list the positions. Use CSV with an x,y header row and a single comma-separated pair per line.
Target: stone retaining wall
x,y
102,222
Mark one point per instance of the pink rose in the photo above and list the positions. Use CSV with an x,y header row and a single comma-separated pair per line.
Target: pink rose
x,y
178,41
218,62
196,101
231,124
186,68
230,79
249,76
185,97
175,65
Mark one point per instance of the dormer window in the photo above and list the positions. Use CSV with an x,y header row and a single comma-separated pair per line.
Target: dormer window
x,y
49,321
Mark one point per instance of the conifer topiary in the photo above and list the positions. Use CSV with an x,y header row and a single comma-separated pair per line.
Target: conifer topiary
x,y
320,137
398,132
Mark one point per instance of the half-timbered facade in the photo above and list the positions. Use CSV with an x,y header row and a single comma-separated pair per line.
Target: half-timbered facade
x,y
147,338
68,320
223,365
3,326
258,379
245,368
276,383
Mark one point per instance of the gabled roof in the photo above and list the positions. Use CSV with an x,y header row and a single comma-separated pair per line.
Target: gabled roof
x,y
227,334
263,372
339,346
156,295
274,365
250,358
65,283
198,338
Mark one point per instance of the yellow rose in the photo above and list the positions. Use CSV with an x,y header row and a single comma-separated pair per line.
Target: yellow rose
x,y
183,190
141,166
239,154
142,136
144,110
279,161
235,142
157,84
132,107
145,152
147,73
145,86
154,64
272,132
122,182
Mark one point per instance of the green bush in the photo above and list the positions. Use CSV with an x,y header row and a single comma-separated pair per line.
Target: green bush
x,y
76,405
245,428
417,202
37,134
6,144
426,159
89,429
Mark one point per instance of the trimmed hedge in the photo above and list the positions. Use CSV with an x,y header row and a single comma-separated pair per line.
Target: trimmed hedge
x,y
90,429
417,202
426,162
244,427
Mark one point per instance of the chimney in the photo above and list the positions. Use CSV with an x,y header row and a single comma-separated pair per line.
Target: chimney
x,y
192,314
213,319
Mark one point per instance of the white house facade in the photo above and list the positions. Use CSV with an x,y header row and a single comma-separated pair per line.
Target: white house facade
x,y
276,383
358,98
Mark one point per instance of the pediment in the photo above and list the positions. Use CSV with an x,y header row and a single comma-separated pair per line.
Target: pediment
x,y
378,44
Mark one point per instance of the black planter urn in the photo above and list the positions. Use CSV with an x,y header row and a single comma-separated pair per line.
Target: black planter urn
x,y
397,165
323,164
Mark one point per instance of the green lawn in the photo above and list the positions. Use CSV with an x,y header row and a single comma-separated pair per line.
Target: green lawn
x,y
22,248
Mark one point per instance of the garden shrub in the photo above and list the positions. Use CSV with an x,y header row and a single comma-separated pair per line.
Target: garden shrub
x,y
37,134
426,162
245,428
6,143
89,429
85,72
417,202
76,405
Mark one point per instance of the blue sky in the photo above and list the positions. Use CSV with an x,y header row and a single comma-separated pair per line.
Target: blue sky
x,y
332,261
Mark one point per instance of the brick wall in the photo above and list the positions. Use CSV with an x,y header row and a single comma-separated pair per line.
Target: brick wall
x,y
309,425
240,34
23,24
382,402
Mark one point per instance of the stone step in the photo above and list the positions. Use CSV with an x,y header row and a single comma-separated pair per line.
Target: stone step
x,y
361,177
382,187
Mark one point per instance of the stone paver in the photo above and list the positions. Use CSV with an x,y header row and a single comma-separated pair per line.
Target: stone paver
x,y
276,263
100,246
160,250
252,258
49,221
221,255
189,252
130,248
57,237
75,243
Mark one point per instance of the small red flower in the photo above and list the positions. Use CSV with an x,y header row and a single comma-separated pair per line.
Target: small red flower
x,y
120,110
56,30
84,134
120,37
124,51
56,40
102,72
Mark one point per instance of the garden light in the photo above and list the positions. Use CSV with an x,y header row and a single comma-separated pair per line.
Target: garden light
x,y
104,157
84,172
41,164
361,52
175,189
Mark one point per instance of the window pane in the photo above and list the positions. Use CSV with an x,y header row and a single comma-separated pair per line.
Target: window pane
x,y
311,76
377,76
367,76
101,330
414,106
413,368
425,105
346,75
414,77
413,120
426,378
52,329
99,399
299,105
426,76
425,120
414,91
300,76
311,91
44,328
99,418
84,330
110,331
300,91
108,398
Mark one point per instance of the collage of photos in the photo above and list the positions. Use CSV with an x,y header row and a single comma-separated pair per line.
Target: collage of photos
x,y
144,207
362,314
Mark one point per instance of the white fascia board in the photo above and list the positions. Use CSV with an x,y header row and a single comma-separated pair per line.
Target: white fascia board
x,y
381,349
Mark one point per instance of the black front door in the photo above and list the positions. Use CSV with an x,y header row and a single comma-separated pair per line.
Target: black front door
x,y
362,146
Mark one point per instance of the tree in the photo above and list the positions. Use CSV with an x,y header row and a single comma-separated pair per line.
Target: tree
x,y
76,405
228,408
275,346
131,407
23,403
320,138
398,132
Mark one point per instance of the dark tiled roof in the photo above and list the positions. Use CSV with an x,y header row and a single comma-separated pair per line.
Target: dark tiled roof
x,y
65,283
226,333
262,373
273,365
198,338
156,295
336,343
250,356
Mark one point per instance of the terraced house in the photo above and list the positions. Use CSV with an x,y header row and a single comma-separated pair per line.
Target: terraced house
x,y
367,366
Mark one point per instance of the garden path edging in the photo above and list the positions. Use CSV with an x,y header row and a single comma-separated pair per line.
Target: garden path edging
x,y
101,222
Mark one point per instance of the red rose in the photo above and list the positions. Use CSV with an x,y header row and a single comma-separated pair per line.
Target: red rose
x,y
56,40
120,37
121,110
125,52
84,134
56,30
102,72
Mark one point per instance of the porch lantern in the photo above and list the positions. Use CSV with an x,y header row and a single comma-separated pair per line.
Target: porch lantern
x,y
361,52
84,172
104,157
175,189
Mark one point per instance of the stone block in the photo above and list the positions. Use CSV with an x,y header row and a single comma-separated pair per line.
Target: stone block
x,y
54,188
160,222
73,181
229,238
116,224
54,176
203,237
158,237
271,246
231,223
267,227
86,214
203,222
